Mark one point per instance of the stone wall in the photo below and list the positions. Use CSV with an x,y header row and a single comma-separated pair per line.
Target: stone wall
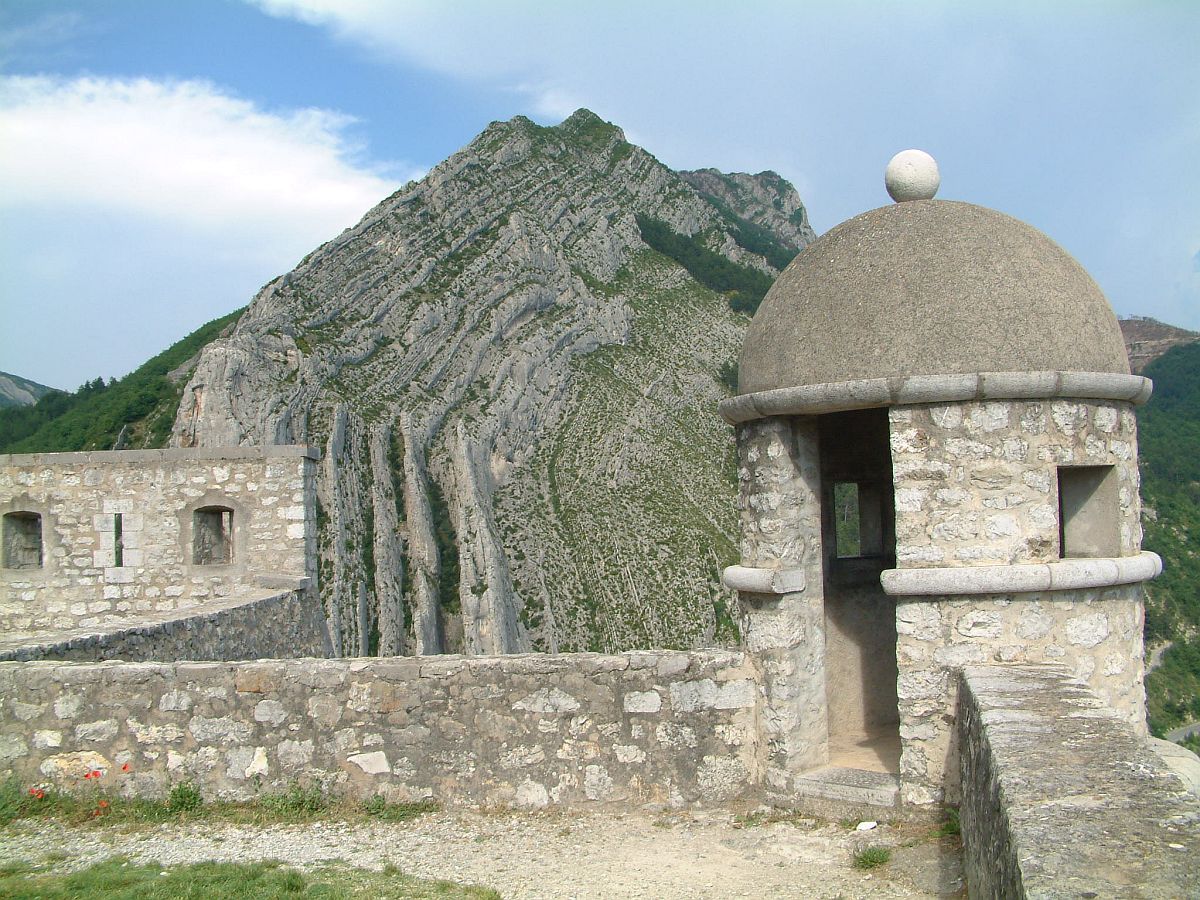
x,y
1064,799
976,484
642,727
779,500
272,625
1096,634
155,494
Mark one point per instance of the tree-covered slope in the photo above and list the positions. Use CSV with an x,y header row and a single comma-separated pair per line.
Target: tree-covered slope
x,y
1169,438
136,411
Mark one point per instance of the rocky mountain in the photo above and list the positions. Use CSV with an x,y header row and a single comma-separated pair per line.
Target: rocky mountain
x,y
1147,339
515,395
17,391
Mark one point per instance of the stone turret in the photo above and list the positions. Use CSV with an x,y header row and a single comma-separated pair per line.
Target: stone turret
x,y
938,467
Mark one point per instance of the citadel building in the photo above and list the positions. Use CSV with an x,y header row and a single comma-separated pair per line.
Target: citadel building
x,y
940,592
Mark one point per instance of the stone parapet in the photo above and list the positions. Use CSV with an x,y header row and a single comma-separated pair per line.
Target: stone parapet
x,y
168,455
260,624
667,728
1062,798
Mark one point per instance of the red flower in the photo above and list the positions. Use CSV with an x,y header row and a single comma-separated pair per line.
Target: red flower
x,y
103,804
37,793
125,768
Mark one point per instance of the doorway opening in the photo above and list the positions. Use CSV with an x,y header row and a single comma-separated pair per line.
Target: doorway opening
x,y
858,523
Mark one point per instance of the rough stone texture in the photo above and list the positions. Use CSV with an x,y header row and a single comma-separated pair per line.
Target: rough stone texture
x,y
78,496
976,483
513,730
263,625
541,382
1063,798
779,490
924,288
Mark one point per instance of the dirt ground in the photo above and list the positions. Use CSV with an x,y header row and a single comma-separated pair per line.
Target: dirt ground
x,y
554,855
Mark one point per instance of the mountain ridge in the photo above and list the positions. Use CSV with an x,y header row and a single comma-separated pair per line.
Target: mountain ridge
x,y
462,355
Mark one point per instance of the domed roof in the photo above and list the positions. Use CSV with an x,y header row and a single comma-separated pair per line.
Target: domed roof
x,y
929,287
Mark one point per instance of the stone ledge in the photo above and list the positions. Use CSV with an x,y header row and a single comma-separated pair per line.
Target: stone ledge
x,y
1062,798
763,581
176,454
1067,574
815,399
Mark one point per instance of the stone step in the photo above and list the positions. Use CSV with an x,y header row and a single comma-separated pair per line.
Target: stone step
x,y
857,786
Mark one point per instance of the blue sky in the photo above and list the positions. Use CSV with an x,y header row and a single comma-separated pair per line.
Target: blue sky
x,y
160,161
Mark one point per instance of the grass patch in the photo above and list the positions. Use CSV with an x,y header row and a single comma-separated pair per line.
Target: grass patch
x,y
872,857
950,826
118,879
296,804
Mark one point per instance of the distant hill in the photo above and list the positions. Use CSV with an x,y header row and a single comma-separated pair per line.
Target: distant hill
x,y
18,391
133,412
1147,339
1169,439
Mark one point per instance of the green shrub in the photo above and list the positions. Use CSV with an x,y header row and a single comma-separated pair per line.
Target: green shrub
x,y
872,857
184,797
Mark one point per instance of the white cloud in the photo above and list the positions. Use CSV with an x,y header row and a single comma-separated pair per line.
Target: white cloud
x,y
184,152
205,190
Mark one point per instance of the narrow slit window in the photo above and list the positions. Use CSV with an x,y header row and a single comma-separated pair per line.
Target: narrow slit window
x,y
212,536
118,540
22,540
1088,507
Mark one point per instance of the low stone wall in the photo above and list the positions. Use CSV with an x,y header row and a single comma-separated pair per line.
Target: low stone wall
x,y
642,727
1063,798
273,624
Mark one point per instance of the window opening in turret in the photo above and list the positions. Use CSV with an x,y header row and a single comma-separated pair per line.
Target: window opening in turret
x,y
1088,524
22,540
212,536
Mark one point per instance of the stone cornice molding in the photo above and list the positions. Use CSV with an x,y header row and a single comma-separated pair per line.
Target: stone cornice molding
x,y
1067,574
815,399
763,581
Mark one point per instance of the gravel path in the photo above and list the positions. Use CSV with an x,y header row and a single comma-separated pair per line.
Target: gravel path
x,y
556,855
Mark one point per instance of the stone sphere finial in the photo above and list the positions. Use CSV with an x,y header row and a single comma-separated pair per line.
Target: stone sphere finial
x,y
912,175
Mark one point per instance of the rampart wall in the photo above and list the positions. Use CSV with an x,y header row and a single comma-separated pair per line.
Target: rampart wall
x,y
277,624
640,728
96,539
1062,798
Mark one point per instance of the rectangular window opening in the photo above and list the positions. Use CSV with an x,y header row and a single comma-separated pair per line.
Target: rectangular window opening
x,y
857,520
1088,512
22,536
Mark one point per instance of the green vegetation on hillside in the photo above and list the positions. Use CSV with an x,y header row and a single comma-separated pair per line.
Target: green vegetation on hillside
x,y
143,403
743,286
1169,438
753,237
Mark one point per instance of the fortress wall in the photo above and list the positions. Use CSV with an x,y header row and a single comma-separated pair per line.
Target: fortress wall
x,y
976,484
78,497
274,625
640,727
1062,798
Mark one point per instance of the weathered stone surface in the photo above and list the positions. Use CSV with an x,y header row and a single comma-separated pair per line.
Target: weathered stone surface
x,y
1062,798
488,733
